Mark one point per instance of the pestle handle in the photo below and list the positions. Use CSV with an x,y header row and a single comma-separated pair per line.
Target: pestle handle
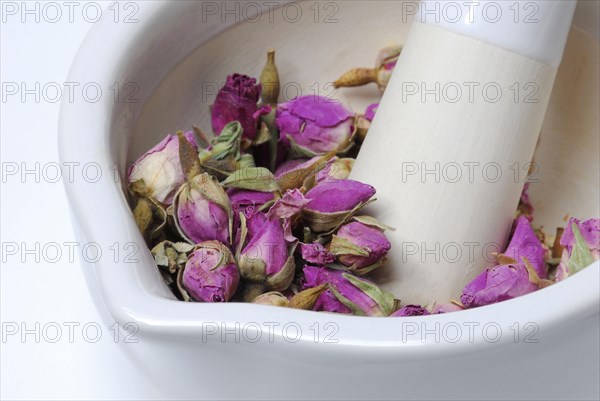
x,y
534,29
451,142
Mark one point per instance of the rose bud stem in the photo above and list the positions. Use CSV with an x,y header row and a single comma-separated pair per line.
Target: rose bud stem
x,y
356,77
269,78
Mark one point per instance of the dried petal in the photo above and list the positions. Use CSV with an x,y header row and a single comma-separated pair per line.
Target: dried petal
x,y
210,274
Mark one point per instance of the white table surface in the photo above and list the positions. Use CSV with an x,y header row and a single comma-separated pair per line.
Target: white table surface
x,y
34,210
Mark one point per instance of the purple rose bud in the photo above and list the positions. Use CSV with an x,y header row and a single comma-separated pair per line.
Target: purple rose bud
x,y
371,110
581,242
338,196
266,256
520,274
497,284
247,201
160,168
314,125
410,310
525,244
202,210
237,101
316,254
347,293
334,201
360,247
210,274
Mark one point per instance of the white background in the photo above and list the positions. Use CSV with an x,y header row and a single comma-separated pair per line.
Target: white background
x,y
35,210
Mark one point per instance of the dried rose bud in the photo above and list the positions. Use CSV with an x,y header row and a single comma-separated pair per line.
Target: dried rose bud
x,y
160,169
316,254
522,271
348,294
360,247
271,298
247,201
410,310
314,125
497,284
202,210
336,169
581,242
384,66
237,101
266,257
269,79
333,202
210,274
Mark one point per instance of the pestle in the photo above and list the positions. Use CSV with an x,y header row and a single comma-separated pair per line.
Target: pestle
x,y
452,141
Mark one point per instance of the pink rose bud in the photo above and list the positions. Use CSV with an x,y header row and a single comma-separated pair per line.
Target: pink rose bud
x,y
333,202
581,242
266,257
360,247
410,310
498,284
247,201
522,270
202,210
210,274
237,101
160,169
348,294
314,125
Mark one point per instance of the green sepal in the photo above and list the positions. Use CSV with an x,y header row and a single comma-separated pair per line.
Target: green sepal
x,y
343,246
384,299
253,178
581,256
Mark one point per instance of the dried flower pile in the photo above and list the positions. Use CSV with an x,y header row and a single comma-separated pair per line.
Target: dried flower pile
x,y
263,211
